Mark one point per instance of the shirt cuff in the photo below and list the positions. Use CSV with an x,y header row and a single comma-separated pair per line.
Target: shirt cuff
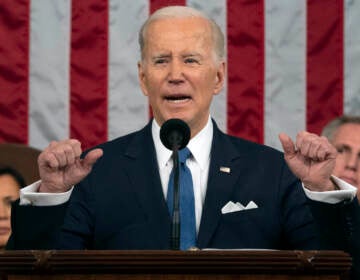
x,y
30,196
346,192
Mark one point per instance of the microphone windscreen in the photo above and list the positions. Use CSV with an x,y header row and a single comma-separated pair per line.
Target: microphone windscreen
x,y
175,133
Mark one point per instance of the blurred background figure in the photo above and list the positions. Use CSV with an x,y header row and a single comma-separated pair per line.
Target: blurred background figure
x,y
336,208
18,168
22,158
10,183
344,133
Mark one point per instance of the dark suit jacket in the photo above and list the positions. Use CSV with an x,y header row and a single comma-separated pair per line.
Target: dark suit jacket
x,y
339,226
121,205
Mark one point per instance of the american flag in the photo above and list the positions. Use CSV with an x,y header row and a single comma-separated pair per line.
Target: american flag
x,y
68,68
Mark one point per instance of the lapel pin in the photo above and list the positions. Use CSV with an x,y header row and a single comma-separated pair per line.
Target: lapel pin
x,y
225,169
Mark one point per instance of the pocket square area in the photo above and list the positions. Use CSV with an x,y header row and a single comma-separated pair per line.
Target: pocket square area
x,y
231,207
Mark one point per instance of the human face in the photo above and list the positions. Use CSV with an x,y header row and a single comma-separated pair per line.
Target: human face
x,y
347,141
9,192
179,71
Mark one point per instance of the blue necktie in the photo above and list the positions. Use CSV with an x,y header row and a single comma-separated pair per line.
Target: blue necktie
x,y
187,202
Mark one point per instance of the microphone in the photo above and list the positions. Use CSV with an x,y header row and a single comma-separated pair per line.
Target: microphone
x,y
175,135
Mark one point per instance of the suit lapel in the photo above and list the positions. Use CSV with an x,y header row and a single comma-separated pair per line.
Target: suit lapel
x,y
144,175
142,169
220,183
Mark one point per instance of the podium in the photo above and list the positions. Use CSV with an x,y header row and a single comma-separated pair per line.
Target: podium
x,y
194,265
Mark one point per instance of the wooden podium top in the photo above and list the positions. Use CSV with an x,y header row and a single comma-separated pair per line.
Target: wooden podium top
x,y
175,262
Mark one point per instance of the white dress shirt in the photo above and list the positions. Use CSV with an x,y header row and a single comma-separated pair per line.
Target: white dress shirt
x,y
346,192
198,163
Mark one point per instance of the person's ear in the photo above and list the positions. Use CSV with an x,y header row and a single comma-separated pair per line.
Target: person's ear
x,y
142,78
220,77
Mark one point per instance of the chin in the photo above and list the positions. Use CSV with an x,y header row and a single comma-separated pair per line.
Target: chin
x,y
177,117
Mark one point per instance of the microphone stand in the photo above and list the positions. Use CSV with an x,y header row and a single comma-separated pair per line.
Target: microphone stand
x,y
175,134
175,226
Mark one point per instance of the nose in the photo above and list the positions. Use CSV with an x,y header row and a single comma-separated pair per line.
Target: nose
x,y
176,73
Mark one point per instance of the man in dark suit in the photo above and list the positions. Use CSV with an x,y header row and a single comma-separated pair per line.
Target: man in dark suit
x,y
121,205
245,196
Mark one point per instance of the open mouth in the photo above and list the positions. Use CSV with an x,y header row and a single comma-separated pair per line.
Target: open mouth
x,y
177,98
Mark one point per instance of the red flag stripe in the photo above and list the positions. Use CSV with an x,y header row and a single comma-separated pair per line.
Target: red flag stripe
x,y
89,72
325,65
14,70
245,30
324,88
157,4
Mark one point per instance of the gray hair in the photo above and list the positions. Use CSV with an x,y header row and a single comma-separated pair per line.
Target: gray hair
x,y
331,128
184,12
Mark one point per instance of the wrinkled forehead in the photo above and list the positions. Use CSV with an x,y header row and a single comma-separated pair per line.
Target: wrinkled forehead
x,y
178,35
170,28
348,133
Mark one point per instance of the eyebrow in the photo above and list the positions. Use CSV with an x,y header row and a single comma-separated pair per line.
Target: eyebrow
x,y
161,55
346,147
192,54
167,55
343,146
9,197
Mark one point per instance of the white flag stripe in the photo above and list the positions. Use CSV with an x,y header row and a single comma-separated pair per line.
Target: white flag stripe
x,y
49,71
285,67
128,108
285,64
352,57
216,9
